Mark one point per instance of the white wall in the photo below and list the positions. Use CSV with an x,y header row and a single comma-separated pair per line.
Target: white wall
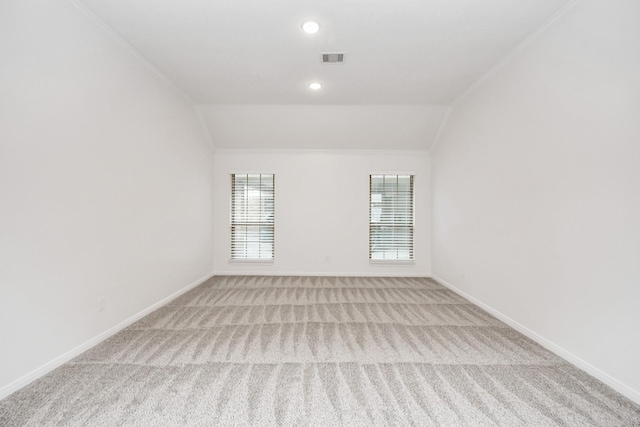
x,y
536,192
324,127
322,209
105,187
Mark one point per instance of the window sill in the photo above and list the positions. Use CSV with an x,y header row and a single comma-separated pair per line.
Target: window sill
x,y
251,261
383,262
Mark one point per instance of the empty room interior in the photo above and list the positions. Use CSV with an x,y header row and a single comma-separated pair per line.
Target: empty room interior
x,y
418,212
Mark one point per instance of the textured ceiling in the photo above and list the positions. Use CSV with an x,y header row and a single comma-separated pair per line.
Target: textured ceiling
x,y
254,52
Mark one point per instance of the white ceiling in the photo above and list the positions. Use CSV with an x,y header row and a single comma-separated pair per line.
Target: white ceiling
x,y
254,52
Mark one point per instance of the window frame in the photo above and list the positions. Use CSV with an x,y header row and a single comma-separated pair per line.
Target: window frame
x,y
234,224
411,226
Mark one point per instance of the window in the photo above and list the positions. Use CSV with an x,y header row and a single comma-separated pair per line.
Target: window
x,y
391,217
252,216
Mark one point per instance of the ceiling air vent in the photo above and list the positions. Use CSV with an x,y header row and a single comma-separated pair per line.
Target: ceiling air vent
x,y
332,58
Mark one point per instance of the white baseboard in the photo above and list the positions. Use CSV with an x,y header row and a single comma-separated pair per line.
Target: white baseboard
x,y
549,345
317,274
60,360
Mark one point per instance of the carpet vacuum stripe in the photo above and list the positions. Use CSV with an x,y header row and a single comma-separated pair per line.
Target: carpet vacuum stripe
x,y
318,351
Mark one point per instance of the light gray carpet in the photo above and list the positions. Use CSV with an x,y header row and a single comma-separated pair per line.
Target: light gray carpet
x,y
298,351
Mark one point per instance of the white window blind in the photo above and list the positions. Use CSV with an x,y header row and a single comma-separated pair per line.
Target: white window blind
x,y
391,217
252,216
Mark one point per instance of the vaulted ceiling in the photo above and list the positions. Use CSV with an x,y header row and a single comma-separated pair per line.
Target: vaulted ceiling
x,y
255,52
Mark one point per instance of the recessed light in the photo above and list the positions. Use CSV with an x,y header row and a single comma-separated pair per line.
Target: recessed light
x,y
315,86
311,27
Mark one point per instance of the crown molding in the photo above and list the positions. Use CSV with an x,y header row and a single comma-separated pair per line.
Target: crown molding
x,y
515,51
300,151
113,35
